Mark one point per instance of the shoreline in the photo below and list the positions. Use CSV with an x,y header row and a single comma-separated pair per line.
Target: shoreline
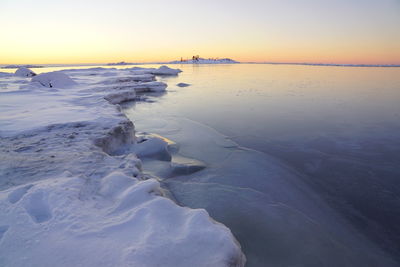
x,y
107,193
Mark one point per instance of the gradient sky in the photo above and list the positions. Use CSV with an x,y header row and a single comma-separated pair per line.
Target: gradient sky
x,y
89,31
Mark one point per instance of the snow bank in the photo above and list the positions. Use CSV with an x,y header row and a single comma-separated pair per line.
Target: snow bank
x,y
123,222
153,146
131,78
164,70
69,198
161,71
24,72
55,79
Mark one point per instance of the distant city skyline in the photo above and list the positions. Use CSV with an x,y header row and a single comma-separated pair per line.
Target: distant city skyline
x,y
313,31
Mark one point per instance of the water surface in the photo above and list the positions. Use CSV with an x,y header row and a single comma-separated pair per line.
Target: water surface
x,y
308,136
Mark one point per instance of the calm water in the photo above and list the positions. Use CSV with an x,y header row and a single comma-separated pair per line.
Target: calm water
x,y
332,134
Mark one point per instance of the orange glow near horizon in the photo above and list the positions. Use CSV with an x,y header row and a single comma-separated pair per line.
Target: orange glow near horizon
x,y
69,32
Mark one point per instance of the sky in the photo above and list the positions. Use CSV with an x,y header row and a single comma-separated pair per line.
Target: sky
x,y
98,31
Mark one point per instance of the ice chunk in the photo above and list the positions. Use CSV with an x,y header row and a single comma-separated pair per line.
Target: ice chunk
x,y
119,136
164,70
183,85
151,87
122,96
24,72
153,146
55,79
185,166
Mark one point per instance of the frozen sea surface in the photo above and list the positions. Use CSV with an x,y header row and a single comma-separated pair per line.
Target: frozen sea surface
x,y
300,162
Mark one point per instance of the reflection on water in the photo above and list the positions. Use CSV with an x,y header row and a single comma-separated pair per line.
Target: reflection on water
x,y
337,128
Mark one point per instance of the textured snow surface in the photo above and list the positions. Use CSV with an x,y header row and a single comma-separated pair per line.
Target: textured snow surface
x,y
114,221
163,71
54,79
69,197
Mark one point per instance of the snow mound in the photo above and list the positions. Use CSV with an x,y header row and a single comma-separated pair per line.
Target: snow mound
x,y
126,222
161,71
164,70
24,72
55,79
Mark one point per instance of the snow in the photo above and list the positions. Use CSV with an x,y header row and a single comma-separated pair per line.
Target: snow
x,y
24,72
124,222
69,197
161,71
164,70
54,79
153,146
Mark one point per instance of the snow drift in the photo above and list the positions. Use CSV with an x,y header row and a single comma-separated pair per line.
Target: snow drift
x,y
24,72
54,79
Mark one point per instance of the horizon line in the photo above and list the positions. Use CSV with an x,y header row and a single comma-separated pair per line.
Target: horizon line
x,y
2,65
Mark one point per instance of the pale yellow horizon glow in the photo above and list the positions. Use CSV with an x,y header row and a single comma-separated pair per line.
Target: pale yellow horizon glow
x,y
69,32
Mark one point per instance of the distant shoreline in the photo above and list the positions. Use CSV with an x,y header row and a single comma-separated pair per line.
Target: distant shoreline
x,y
7,66
327,64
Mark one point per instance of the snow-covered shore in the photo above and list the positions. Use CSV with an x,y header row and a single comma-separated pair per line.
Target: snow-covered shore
x,y
69,198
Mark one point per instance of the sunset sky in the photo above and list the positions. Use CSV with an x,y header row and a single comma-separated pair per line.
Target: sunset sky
x,y
98,31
